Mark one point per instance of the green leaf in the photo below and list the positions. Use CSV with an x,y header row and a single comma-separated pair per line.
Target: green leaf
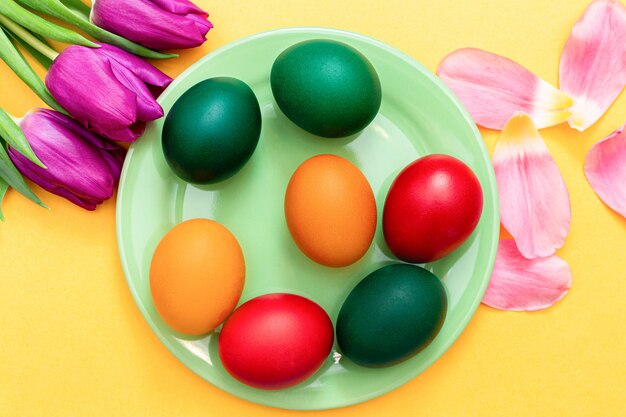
x,y
12,176
15,60
38,37
27,36
59,10
23,17
41,58
13,135
78,6
3,190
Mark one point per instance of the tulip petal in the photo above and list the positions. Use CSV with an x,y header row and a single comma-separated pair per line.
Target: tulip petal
x,y
181,7
534,201
113,154
154,24
103,89
157,80
86,203
521,284
82,167
605,169
147,107
493,88
128,133
203,25
593,62
88,93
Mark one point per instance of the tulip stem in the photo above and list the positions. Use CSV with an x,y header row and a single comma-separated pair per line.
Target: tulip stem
x,y
28,37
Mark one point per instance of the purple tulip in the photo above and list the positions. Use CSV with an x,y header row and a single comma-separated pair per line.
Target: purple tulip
x,y
81,166
107,89
156,24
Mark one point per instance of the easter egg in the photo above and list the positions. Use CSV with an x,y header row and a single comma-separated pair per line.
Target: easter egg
x,y
392,314
432,207
330,210
326,87
212,130
196,276
275,341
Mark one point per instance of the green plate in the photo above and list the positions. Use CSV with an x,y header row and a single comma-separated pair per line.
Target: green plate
x,y
418,116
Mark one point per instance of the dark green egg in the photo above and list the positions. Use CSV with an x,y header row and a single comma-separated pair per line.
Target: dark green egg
x,y
327,88
212,130
393,313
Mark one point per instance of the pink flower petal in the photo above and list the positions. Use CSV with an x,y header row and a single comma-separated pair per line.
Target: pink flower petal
x,y
521,284
593,63
493,88
605,169
534,201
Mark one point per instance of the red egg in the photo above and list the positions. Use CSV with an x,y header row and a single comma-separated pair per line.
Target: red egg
x,y
275,341
432,207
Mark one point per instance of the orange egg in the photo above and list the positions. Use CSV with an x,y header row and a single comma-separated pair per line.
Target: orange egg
x,y
330,210
196,276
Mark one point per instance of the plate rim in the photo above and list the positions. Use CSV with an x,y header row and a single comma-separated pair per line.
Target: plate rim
x,y
495,232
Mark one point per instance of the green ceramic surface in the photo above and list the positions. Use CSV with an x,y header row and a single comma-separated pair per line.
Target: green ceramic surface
x,y
418,116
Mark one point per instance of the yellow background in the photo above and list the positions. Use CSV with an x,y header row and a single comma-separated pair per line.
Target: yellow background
x,y
72,342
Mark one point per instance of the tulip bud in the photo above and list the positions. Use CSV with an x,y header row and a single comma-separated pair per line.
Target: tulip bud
x,y
107,89
81,166
156,24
